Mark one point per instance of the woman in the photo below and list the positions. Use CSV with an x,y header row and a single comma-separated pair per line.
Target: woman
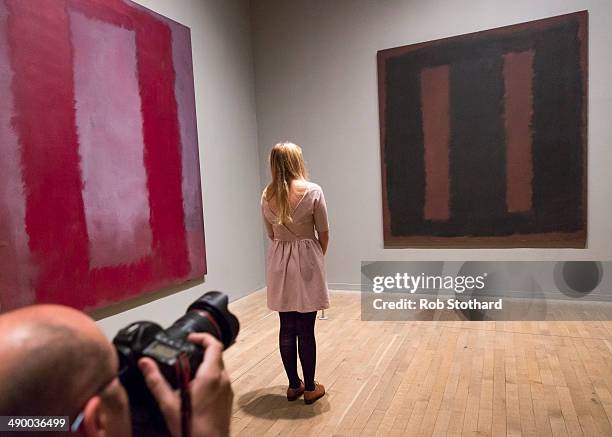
x,y
293,209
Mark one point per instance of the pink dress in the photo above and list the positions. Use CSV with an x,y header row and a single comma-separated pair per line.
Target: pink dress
x,y
295,273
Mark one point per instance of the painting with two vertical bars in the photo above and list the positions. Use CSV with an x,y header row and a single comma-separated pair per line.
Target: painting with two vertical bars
x,y
484,138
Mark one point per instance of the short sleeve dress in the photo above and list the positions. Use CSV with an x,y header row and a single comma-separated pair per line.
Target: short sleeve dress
x,y
295,272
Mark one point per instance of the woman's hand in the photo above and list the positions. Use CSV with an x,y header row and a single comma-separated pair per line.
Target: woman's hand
x,y
210,391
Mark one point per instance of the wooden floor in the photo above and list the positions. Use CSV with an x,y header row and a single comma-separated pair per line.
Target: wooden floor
x,y
425,378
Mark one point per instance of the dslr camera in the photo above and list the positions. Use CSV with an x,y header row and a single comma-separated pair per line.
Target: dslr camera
x,y
177,358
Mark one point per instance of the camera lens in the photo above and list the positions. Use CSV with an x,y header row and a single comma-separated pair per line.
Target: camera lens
x,y
208,314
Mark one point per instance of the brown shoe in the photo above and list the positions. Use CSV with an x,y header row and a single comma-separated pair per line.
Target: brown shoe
x,y
312,396
294,393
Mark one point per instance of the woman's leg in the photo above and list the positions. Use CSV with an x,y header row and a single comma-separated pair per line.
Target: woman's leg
x,y
287,345
307,346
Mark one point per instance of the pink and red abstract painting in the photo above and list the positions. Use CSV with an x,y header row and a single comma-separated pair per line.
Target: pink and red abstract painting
x,y
100,196
484,137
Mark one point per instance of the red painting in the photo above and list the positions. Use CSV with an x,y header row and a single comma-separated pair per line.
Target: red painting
x,y
100,196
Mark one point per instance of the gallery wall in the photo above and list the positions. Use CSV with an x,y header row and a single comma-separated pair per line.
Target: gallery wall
x,y
227,135
270,70
316,84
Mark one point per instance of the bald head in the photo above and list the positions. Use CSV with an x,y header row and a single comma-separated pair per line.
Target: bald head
x,y
53,359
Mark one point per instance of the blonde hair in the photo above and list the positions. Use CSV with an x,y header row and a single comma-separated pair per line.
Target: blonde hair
x,y
286,165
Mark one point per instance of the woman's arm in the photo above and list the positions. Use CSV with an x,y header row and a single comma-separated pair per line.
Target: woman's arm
x,y
320,221
269,229
324,240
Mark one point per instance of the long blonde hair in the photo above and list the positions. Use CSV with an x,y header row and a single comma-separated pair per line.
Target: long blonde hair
x,y
286,165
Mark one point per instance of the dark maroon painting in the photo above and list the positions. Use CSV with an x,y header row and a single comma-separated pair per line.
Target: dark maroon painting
x,y
483,138
100,196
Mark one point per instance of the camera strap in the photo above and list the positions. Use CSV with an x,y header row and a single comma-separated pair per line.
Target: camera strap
x,y
184,376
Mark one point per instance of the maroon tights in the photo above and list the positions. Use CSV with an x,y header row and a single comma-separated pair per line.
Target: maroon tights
x,y
297,336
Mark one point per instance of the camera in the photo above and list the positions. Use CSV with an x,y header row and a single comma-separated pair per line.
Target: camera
x,y
175,356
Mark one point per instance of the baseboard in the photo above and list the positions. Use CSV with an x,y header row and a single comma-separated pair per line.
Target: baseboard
x,y
343,286
240,295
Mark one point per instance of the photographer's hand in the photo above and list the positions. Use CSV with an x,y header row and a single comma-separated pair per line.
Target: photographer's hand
x,y
210,390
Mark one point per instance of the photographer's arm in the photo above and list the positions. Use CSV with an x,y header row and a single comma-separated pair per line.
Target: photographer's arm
x,y
210,390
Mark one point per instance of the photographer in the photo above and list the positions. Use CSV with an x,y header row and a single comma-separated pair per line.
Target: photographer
x,y
55,361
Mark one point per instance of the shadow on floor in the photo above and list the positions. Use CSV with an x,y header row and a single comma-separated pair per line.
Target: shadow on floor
x,y
272,403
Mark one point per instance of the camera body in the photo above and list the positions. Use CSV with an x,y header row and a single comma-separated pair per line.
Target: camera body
x,y
166,352
147,339
171,350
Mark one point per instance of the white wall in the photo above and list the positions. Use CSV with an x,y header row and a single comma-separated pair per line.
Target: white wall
x,y
315,70
315,83
227,135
